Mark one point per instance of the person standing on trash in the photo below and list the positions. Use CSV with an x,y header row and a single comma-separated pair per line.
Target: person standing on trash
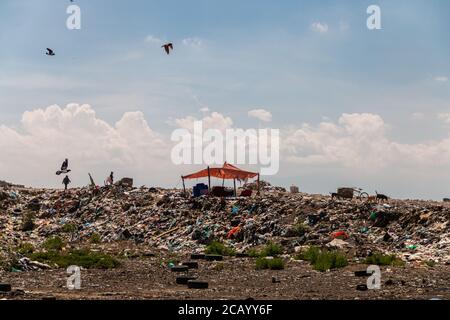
x,y
66,182
110,180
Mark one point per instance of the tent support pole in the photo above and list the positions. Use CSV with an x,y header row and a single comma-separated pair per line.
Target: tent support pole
x,y
209,179
259,184
184,186
235,192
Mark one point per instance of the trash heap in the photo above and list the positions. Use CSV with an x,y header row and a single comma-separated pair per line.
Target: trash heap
x,y
160,219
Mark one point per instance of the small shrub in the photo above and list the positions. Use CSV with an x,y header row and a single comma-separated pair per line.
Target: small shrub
x,y
69,228
310,254
253,253
323,260
301,229
330,260
384,260
95,238
25,249
217,247
430,263
28,222
263,263
53,244
82,258
272,250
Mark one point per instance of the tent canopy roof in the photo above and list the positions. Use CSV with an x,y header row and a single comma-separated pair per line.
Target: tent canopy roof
x,y
228,172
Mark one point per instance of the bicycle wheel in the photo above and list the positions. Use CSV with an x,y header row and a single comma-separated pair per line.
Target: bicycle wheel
x,y
363,196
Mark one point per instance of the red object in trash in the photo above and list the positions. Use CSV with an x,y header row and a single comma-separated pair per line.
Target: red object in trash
x,y
339,235
233,232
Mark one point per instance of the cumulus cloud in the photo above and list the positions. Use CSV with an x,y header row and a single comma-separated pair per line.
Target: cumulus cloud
x,y
260,114
46,136
360,141
354,145
319,27
441,79
213,121
194,42
444,117
153,40
418,115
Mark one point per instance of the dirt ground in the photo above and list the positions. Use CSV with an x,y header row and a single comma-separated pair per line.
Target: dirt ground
x,y
234,278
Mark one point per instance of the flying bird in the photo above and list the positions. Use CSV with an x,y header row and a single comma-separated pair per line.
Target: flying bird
x,y
50,52
168,47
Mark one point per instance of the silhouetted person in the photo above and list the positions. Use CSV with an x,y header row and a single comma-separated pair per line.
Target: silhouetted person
x,y
110,180
65,165
66,182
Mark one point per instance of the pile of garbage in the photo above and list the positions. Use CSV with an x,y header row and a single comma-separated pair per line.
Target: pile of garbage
x,y
163,219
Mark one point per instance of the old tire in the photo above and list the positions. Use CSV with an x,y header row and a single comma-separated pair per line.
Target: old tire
x,y
191,264
197,256
185,280
179,269
195,284
5,287
361,274
213,257
241,255
362,287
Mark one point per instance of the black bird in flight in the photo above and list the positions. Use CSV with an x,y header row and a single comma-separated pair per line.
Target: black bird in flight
x,y
168,47
50,52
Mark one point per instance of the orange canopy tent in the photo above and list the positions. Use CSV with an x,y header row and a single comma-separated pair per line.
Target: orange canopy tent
x,y
227,172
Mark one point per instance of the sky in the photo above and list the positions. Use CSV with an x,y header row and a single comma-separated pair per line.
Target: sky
x,y
355,107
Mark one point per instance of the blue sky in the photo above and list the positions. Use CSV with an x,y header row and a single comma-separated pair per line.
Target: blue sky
x,y
233,56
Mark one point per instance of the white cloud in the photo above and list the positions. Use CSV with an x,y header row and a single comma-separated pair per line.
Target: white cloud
x,y
441,79
320,27
418,115
194,42
204,110
135,55
153,40
213,121
356,145
445,117
260,114
46,136
361,142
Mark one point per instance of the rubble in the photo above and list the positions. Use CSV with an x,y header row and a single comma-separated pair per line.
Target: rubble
x,y
167,220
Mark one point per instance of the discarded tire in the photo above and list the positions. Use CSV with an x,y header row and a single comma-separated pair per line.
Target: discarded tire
x,y
191,264
197,256
213,257
5,287
241,255
184,280
362,287
195,284
361,274
179,269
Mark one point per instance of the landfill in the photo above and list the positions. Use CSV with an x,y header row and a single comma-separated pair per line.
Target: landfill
x,y
169,220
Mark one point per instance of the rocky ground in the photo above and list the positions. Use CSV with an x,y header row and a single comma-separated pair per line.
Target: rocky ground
x,y
148,228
